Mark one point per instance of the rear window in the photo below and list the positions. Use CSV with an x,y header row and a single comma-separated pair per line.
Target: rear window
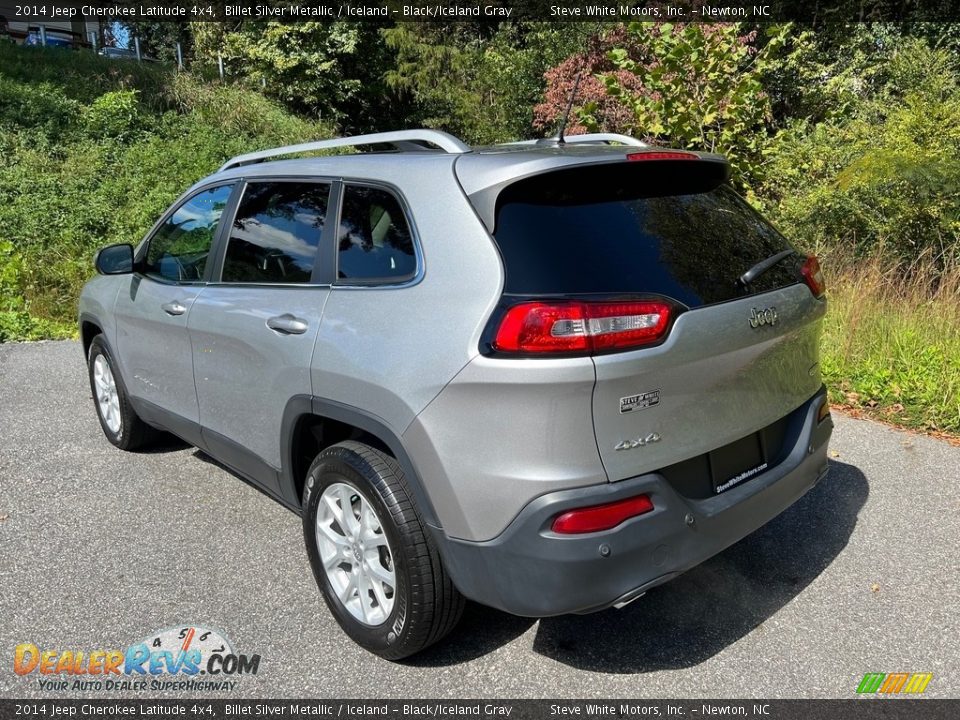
x,y
665,228
374,243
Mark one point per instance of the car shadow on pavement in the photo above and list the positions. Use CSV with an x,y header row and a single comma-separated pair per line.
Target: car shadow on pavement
x,y
481,631
686,621
164,443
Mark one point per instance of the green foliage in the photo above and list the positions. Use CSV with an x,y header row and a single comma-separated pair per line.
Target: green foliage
x,y
891,348
158,39
81,169
327,70
114,114
80,76
21,325
700,87
9,278
478,82
884,176
43,106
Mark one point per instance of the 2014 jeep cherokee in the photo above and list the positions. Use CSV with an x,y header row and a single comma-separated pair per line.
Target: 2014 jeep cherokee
x,y
546,376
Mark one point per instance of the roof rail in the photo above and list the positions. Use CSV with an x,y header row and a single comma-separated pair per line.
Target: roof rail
x,y
604,138
587,138
400,139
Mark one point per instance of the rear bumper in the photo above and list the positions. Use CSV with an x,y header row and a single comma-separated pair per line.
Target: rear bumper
x,y
530,570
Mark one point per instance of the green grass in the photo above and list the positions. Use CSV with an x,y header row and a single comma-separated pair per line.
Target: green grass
x,y
891,347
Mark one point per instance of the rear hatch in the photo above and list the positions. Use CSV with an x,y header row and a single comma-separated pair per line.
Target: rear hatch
x,y
711,365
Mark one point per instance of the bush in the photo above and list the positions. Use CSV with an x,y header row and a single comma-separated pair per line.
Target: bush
x,y
114,114
885,179
42,107
86,161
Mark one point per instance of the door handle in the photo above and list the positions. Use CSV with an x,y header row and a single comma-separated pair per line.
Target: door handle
x,y
287,324
174,308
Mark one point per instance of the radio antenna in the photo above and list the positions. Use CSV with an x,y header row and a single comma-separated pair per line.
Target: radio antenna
x,y
566,113
576,86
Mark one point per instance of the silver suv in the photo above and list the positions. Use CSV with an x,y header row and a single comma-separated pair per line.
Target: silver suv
x,y
545,376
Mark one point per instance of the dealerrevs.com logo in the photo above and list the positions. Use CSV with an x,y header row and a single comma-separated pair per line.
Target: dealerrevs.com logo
x,y
181,658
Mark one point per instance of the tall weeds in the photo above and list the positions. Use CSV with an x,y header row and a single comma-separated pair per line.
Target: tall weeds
x,y
891,344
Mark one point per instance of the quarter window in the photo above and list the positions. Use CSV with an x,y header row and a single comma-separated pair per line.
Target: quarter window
x,y
179,249
374,240
276,232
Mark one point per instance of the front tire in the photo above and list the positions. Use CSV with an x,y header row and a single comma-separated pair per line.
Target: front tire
x,y
374,561
119,421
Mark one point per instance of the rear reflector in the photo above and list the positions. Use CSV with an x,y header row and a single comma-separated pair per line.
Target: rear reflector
x,y
634,157
601,517
813,276
581,327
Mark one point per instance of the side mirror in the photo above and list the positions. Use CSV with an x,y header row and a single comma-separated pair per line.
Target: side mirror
x,y
114,259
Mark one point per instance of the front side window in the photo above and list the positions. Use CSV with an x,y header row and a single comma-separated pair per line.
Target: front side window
x,y
276,232
374,242
179,249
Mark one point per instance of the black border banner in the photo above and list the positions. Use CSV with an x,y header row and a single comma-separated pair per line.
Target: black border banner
x,y
600,11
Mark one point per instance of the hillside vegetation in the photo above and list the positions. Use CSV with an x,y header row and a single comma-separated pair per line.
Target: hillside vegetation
x,y
91,152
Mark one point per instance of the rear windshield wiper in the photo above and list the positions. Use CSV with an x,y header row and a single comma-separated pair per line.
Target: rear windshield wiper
x,y
761,267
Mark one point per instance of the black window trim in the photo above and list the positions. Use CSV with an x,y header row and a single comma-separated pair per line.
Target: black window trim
x,y
140,255
322,273
377,283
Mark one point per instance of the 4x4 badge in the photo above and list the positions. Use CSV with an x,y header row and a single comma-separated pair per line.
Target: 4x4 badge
x,y
763,316
639,442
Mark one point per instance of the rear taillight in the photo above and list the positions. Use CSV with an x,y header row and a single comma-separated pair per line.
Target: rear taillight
x,y
813,276
601,517
673,155
581,327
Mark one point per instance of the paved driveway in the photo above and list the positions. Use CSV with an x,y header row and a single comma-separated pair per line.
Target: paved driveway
x,y
99,548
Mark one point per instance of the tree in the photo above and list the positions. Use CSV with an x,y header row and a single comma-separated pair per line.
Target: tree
x,y
478,80
693,85
333,71
591,63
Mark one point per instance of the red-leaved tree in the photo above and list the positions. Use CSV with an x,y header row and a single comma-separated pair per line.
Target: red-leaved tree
x,y
611,113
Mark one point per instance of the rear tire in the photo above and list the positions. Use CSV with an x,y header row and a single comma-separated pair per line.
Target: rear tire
x,y
379,572
119,421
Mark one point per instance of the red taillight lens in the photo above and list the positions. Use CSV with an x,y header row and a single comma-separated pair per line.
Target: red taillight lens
x,y
662,156
601,517
581,327
813,276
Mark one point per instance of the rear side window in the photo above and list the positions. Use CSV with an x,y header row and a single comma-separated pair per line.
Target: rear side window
x,y
374,242
646,228
179,249
275,234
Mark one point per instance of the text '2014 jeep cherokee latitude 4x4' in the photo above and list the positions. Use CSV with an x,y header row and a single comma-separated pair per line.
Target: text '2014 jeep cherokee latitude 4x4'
x,y
545,376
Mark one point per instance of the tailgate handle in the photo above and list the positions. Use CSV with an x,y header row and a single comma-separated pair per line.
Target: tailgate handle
x,y
287,324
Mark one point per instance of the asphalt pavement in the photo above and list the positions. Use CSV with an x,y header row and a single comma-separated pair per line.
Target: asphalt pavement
x,y
101,548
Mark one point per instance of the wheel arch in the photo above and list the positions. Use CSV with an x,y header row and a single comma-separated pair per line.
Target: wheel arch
x,y
312,424
90,327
